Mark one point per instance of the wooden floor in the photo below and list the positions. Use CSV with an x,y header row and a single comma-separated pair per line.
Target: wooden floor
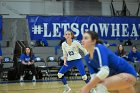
x,y
45,87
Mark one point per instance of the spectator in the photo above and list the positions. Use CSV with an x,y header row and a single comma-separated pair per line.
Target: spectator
x,y
27,62
134,55
121,52
1,66
0,55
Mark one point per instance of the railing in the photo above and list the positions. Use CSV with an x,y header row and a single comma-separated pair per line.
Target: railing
x,y
22,44
21,48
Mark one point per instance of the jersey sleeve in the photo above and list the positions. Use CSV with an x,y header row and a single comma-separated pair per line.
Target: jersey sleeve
x,y
82,48
102,53
22,57
64,50
33,58
0,51
130,57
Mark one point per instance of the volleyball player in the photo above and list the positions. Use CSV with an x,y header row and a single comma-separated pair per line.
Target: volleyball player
x,y
108,71
72,58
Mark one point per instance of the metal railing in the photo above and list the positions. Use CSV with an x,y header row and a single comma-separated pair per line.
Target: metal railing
x,y
21,48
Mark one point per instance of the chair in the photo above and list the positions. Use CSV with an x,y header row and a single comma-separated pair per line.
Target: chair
x,y
7,63
53,66
41,67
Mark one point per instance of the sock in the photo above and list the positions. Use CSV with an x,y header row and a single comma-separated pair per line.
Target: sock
x,y
63,79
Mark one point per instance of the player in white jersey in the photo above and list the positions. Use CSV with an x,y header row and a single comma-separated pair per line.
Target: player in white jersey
x,y
72,58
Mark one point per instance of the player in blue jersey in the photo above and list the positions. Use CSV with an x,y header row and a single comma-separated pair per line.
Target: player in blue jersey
x,y
108,71
0,54
72,58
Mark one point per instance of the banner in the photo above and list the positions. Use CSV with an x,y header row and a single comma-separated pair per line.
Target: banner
x,y
109,28
0,27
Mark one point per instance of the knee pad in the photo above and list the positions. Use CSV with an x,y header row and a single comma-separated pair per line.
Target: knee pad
x,y
60,75
84,77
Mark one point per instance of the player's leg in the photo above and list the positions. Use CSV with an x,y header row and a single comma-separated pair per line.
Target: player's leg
x,y
22,68
33,70
61,73
128,90
80,66
119,82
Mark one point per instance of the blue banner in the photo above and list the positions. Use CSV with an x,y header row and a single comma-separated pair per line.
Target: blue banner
x,y
109,28
0,27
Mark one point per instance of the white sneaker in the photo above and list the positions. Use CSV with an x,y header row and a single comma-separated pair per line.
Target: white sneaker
x,y
21,79
92,90
34,79
67,89
138,75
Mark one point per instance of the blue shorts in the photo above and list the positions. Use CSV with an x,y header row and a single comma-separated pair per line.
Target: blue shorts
x,y
75,63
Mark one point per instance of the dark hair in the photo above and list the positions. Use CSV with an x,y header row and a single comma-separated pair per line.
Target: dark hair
x,y
94,36
31,52
121,53
72,34
134,46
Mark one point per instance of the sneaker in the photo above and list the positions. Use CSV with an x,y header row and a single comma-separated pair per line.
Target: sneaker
x,y
138,75
67,89
92,90
21,79
34,79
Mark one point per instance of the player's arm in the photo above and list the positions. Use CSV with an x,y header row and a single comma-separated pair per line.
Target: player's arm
x,y
102,73
64,54
32,60
0,54
22,59
130,57
82,48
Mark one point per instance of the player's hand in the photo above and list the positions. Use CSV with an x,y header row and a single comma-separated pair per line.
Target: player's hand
x,y
65,64
29,63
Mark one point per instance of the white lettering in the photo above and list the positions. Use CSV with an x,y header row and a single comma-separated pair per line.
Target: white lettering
x,y
104,29
125,33
74,28
46,30
115,28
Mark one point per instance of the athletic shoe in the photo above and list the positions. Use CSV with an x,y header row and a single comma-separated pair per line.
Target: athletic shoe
x,y
67,89
92,90
34,79
21,79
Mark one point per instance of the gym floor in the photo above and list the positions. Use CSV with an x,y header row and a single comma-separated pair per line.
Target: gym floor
x,y
46,87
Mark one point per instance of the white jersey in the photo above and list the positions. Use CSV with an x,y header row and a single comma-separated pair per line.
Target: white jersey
x,y
72,52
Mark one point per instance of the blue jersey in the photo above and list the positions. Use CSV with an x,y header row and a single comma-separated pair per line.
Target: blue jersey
x,y
0,52
27,58
132,56
105,57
